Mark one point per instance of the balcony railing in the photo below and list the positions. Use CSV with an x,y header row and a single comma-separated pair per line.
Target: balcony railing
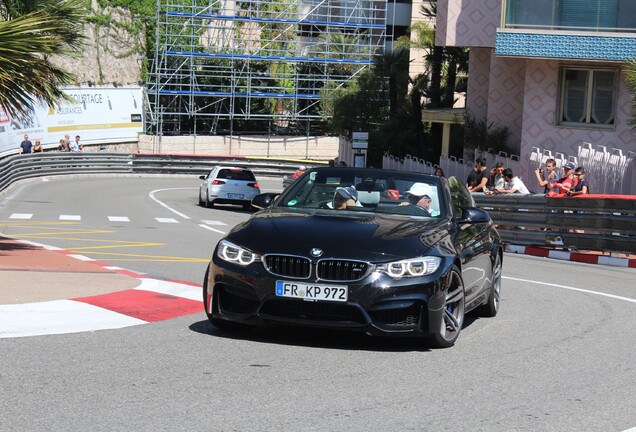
x,y
616,16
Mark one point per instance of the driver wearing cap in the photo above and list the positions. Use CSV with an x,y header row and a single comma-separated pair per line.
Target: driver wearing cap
x,y
419,195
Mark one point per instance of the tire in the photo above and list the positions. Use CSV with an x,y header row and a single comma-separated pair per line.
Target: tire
x,y
201,202
491,307
207,202
453,315
216,322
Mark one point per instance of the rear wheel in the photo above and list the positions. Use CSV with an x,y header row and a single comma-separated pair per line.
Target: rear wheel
x,y
208,203
491,307
218,323
453,312
201,202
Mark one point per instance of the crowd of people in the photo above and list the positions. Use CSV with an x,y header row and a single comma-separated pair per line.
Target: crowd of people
x,y
65,145
501,180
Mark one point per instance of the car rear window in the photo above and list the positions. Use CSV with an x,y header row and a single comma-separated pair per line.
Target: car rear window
x,y
236,174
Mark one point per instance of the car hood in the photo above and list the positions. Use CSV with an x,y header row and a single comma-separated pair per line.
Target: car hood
x,y
364,236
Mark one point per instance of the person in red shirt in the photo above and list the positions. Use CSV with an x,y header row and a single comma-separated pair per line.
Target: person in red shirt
x,y
566,183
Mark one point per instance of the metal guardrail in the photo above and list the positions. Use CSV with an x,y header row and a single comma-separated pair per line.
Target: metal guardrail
x,y
19,167
595,222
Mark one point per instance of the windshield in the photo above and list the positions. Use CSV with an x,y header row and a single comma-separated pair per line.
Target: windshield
x,y
366,190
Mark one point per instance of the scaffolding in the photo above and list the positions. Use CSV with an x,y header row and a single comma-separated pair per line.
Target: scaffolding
x,y
261,66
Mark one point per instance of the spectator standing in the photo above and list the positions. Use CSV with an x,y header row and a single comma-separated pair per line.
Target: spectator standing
x,y
37,147
513,184
564,184
582,186
72,145
26,146
496,176
550,178
63,147
80,147
478,177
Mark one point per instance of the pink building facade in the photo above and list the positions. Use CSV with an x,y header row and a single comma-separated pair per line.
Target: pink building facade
x,y
545,69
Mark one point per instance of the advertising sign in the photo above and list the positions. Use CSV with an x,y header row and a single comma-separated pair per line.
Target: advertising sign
x,y
98,115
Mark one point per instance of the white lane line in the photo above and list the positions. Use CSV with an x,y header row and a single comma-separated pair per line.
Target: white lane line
x,y
58,317
211,229
627,299
21,216
167,220
152,197
118,219
213,222
70,218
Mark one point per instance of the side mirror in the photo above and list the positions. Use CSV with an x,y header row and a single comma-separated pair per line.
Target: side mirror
x,y
474,215
202,177
264,200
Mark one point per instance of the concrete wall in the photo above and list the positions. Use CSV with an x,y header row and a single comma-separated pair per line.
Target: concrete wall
x,y
470,23
315,148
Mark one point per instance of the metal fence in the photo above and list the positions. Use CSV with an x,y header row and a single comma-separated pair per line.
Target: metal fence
x,y
20,167
590,222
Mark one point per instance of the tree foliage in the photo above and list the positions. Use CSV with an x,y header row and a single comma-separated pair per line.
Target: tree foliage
x,y
630,73
31,32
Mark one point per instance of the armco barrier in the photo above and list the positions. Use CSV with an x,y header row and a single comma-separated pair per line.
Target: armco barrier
x,y
595,222
590,222
20,167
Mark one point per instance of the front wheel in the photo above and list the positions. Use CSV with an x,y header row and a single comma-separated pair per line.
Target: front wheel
x,y
491,307
453,312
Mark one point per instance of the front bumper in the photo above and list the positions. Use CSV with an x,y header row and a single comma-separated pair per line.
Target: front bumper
x,y
376,305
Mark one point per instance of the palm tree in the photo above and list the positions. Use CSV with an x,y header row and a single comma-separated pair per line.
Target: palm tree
x,y
30,33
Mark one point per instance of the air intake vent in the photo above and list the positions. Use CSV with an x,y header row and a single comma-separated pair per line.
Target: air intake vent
x,y
342,270
288,266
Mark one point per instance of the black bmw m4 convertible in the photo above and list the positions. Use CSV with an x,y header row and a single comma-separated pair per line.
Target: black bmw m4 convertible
x,y
382,252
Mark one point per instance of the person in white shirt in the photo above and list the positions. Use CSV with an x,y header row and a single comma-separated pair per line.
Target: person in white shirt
x,y
513,184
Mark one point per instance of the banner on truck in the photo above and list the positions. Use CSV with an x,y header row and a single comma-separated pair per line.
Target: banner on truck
x,y
99,115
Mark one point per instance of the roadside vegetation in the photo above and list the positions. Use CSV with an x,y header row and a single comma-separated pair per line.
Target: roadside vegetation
x,y
30,33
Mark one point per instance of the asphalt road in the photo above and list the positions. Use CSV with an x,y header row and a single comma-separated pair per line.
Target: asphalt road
x,y
558,357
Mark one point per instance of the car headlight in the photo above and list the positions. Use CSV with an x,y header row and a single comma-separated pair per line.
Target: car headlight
x,y
235,254
411,267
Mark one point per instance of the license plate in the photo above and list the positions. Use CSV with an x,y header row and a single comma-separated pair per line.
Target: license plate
x,y
235,196
312,292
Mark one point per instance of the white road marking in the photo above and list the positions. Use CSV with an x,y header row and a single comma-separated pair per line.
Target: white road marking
x,y
58,317
70,217
171,288
21,216
627,299
152,197
166,220
118,219
213,222
211,229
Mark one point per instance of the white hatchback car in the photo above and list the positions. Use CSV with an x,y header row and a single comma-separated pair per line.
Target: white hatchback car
x,y
228,185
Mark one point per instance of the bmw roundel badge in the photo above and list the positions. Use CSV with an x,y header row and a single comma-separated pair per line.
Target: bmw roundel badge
x,y
315,252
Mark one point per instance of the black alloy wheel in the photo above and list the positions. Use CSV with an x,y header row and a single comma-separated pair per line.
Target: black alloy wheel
x,y
453,315
491,307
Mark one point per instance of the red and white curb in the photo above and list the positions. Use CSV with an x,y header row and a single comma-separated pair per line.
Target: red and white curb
x,y
572,256
151,301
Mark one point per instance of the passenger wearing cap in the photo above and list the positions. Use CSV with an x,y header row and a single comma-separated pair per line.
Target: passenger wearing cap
x,y
420,195
344,197
567,182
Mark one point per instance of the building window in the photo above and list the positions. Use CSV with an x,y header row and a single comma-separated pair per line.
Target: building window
x,y
588,97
